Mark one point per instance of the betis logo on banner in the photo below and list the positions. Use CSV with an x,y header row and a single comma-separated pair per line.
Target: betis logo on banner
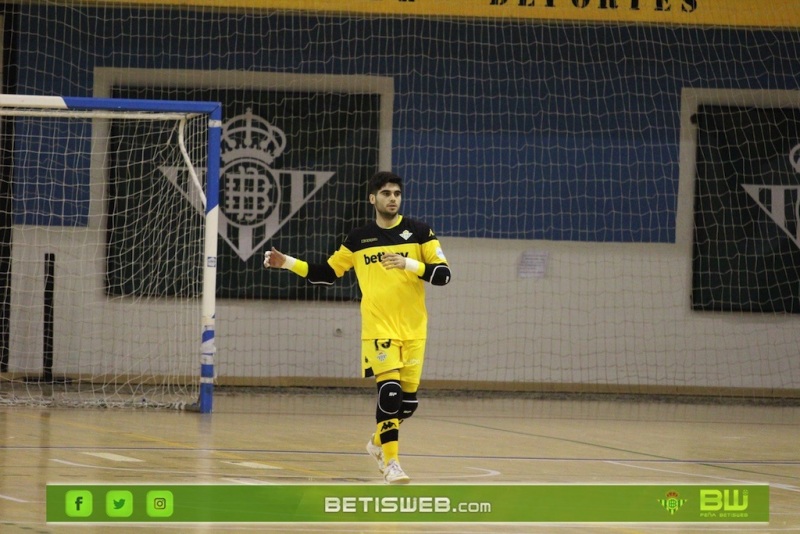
x,y
672,502
746,251
251,190
294,165
775,200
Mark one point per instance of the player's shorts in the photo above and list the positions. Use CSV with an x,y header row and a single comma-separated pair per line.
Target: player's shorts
x,y
381,355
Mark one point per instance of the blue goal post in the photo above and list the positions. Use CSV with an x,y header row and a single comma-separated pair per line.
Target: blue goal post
x,y
29,105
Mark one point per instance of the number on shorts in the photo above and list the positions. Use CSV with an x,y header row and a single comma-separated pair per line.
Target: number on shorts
x,y
385,345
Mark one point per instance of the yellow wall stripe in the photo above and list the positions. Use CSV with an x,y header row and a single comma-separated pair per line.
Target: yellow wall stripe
x,y
753,13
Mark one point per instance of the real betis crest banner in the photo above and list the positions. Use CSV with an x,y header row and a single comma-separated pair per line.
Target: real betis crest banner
x,y
293,175
747,210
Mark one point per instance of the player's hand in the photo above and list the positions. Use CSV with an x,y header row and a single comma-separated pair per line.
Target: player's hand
x,y
274,258
393,261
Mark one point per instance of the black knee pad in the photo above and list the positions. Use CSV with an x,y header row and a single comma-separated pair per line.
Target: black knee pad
x,y
409,405
390,400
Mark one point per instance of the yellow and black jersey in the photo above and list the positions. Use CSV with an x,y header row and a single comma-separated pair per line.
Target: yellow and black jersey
x,y
393,301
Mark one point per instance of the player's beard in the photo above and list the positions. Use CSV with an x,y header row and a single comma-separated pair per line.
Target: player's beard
x,y
387,214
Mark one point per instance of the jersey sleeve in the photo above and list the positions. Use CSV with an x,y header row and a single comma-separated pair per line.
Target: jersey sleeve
x,y
437,270
341,261
325,273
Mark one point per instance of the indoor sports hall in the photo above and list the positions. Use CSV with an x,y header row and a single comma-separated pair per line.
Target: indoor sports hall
x,y
613,186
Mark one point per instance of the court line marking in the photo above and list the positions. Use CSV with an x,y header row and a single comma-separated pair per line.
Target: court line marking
x,y
128,469
113,457
698,475
13,499
486,473
251,465
249,482
785,487
649,456
173,444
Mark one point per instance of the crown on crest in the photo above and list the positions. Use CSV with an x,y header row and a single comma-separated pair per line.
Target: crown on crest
x,y
794,157
249,135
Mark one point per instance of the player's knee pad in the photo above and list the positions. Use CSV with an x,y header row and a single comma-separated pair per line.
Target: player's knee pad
x,y
409,405
390,400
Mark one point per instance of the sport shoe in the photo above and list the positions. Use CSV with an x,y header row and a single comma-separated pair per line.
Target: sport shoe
x,y
394,474
376,452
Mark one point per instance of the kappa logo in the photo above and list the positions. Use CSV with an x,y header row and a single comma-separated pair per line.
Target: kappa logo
x,y
777,200
251,190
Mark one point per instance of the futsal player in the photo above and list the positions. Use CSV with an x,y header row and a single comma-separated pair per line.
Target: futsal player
x,y
393,256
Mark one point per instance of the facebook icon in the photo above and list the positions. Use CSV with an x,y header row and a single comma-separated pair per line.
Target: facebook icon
x,y
78,503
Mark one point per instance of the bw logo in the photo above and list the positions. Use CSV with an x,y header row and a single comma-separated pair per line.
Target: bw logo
x,y
250,189
778,200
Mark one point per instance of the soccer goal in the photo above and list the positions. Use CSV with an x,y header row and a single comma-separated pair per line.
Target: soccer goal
x,y
110,232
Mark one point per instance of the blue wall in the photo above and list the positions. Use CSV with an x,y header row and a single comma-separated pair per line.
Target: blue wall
x,y
502,129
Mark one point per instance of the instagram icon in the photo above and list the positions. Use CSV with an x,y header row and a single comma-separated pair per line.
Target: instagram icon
x,y
159,503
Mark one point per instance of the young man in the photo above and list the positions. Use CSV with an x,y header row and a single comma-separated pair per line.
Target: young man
x,y
393,257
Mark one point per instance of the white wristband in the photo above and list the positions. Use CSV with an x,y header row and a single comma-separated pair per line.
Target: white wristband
x,y
411,265
289,263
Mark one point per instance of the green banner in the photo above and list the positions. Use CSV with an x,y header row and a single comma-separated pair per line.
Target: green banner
x,y
424,503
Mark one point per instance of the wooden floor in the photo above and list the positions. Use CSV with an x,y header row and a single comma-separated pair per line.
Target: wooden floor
x,y
319,437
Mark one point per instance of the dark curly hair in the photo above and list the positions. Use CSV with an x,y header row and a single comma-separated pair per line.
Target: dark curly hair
x,y
379,179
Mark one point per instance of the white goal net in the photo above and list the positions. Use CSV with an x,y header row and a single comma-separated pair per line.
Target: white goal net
x,y
107,254
615,185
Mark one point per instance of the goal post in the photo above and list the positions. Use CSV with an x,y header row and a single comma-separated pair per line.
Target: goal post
x,y
125,193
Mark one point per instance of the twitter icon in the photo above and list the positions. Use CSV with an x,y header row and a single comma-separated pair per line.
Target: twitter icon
x,y
119,503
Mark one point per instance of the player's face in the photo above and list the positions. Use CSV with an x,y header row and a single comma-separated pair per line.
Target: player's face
x,y
387,200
